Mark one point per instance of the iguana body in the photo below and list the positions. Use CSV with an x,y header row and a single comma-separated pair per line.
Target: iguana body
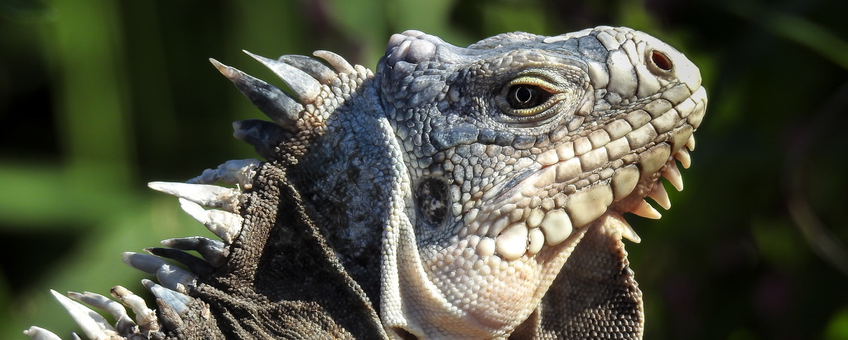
x,y
455,193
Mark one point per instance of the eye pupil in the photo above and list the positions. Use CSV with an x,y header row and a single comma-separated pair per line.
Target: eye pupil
x,y
526,96
523,94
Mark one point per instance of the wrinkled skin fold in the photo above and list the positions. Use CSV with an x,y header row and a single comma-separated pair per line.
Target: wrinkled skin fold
x,y
457,192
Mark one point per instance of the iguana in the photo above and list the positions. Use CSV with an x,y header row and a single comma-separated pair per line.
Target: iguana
x,y
455,193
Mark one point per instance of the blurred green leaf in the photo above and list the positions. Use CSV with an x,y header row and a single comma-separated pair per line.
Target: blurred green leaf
x,y
837,328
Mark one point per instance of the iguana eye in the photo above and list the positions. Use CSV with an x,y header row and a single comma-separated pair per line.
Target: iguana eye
x,y
526,96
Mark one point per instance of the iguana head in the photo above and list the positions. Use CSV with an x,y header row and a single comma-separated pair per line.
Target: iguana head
x,y
515,146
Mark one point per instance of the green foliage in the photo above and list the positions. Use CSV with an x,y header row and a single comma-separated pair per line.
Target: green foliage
x,y
837,328
98,98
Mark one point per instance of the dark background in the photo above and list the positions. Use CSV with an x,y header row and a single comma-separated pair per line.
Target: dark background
x,y
98,98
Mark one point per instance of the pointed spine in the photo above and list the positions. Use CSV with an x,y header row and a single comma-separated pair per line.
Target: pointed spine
x,y
273,102
212,251
144,316
123,323
301,83
176,300
143,262
313,67
211,196
193,263
171,304
100,302
338,62
176,278
225,225
38,333
92,324
233,172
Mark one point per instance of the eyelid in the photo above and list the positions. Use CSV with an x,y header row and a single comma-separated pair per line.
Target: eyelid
x,y
536,80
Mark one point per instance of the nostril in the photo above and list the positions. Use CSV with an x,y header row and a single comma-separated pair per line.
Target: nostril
x,y
661,61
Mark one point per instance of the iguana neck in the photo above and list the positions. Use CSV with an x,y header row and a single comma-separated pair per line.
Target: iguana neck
x,y
345,178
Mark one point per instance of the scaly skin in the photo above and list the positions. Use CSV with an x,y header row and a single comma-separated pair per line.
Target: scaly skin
x,y
456,193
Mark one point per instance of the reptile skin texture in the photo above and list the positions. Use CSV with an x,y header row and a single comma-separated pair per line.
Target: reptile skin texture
x,y
456,193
